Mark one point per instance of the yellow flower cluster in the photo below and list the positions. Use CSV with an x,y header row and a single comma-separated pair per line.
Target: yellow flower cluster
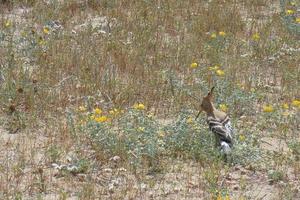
x,y
139,106
221,34
101,119
194,65
242,138
284,106
217,70
220,72
219,197
7,24
296,103
161,134
97,117
82,108
223,107
289,12
41,41
141,129
268,108
214,68
46,30
114,112
189,120
256,37
97,111
298,20
213,35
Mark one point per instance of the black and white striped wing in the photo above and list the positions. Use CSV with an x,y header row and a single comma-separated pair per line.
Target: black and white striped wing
x,y
222,129
227,124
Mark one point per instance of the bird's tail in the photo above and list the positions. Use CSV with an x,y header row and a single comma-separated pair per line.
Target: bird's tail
x,y
225,148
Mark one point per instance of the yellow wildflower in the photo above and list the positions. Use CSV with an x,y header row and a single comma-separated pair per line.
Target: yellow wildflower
x,y
7,24
223,107
194,65
285,106
268,108
101,119
23,34
222,33
161,134
139,106
114,111
82,108
220,72
46,30
189,120
150,115
219,197
289,12
97,111
214,68
41,41
241,85
296,102
227,197
256,36
293,3
298,20
242,138
141,129
213,35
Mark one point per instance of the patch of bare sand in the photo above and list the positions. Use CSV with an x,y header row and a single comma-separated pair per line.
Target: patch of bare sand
x,y
274,144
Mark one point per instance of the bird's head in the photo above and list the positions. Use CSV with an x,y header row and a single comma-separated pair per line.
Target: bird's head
x,y
206,104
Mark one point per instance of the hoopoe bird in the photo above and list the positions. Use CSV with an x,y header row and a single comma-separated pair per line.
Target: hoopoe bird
x,y
218,122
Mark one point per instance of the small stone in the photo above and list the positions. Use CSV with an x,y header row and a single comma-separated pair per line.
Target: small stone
x,y
143,186
81,177
234,176
111,187
243,172
108,170
55,165
235,187
115,158
122,169
295,190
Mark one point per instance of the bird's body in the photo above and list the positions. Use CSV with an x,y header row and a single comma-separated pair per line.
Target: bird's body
x,y
223,132
219,123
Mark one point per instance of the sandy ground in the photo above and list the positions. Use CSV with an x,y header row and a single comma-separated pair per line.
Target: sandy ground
x,y
25,169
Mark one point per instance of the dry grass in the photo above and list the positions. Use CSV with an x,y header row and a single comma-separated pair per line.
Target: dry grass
x,y
59,55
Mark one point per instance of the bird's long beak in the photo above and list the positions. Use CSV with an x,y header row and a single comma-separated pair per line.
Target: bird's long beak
x,y
198,113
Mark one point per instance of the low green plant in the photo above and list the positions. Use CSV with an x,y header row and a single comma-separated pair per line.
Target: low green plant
x,y
275,175
54,152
